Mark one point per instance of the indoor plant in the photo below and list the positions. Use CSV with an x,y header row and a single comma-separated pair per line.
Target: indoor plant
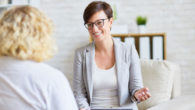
x,y
141,22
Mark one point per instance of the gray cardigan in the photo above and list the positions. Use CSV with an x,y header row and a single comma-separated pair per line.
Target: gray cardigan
x,y
128,74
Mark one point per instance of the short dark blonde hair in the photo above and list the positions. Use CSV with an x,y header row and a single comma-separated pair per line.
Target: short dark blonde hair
x,y
25,33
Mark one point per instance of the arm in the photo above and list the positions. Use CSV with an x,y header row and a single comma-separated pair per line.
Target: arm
x,y
79,88
136,85
135,72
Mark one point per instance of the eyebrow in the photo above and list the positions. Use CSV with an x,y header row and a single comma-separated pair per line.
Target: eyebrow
x,y
95,21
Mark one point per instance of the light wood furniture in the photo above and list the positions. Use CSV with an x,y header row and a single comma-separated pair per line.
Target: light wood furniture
x,y
150,35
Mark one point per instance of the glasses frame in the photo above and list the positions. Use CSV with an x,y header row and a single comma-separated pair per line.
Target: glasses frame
x,y
95,24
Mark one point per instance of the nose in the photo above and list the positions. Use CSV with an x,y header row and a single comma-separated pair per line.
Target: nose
x,y
94,28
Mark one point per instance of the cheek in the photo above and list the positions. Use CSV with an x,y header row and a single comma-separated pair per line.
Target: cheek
x,y
107,29
90,33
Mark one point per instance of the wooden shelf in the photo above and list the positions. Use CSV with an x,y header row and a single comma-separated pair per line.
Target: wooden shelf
x,y
150,36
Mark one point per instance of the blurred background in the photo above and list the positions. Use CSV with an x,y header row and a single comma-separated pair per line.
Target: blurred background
x,y
176,18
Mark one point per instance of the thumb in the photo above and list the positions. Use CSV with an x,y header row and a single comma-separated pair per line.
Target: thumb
x,y
145,89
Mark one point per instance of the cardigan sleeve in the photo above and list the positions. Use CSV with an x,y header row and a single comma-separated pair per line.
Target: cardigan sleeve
x,y
135,72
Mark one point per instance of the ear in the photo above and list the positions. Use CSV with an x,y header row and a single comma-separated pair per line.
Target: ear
x,y
111,21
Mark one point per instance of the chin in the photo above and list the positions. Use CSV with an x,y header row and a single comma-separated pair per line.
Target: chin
x,y
100,38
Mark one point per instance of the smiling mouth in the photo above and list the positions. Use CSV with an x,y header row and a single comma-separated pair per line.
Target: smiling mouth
x,y
97,34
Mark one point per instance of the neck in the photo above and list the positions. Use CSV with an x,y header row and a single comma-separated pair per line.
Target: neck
x,y
105,45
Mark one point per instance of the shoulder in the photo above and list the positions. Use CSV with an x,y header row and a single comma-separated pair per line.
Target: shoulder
x,y
41,73
48,71
27,67
123,45
84,49
36,74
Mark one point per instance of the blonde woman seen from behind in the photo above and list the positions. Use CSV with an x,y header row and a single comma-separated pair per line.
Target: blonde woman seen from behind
x,y
25,82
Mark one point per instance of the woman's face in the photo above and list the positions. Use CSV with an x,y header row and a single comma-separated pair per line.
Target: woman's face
x,y
99,26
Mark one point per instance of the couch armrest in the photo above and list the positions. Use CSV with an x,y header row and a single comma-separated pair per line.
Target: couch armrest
x,y
178,103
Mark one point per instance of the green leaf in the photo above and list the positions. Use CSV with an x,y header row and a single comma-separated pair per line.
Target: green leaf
x,y
141,20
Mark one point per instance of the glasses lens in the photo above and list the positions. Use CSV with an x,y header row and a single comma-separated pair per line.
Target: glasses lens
x,y
88,25
99,23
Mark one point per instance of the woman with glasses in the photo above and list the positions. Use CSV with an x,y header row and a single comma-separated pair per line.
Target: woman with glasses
x,y
106,72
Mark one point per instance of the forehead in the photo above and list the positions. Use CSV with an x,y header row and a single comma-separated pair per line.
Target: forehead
x,y
98,15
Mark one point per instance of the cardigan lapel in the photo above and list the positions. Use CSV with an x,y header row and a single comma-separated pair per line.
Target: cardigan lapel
x,y
118,63
90,54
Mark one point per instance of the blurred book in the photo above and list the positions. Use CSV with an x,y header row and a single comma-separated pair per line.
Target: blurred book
x,y
4,2
144,48
158,48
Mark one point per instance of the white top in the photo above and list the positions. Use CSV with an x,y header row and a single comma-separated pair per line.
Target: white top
x,y
105,92
28,85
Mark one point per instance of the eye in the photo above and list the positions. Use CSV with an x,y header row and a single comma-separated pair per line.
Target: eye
x,y
89,25
99,23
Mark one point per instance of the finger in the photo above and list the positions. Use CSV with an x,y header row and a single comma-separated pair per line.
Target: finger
x,y
148,94
146,97
142,98
139,97
145,89
143,93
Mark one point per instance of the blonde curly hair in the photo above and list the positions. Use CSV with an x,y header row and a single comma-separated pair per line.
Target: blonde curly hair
x,y
25,33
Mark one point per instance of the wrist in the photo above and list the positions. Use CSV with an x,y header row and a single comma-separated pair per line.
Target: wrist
x,y
135,98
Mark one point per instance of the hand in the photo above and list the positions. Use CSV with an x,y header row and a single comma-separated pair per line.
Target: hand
x,y
142,94
81,109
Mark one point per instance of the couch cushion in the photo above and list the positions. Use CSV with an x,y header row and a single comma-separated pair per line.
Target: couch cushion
x,y
158,77
186,102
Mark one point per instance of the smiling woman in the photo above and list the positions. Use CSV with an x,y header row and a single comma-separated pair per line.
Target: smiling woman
x,y
106,72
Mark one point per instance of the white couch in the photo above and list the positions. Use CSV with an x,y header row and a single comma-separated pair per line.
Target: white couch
x,y
164,82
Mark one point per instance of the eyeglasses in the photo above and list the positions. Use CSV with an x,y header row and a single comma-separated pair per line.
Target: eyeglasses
x,y
99,23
